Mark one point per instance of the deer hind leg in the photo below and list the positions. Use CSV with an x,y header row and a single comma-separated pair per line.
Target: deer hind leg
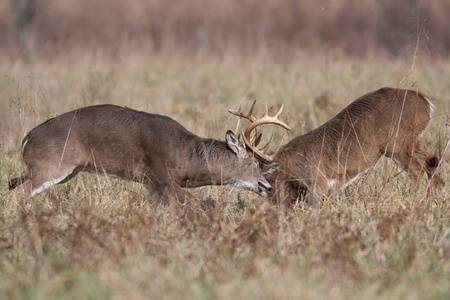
x,y
19,185
37,180
429,164
15,182
416,163
432,164
45,176
174,191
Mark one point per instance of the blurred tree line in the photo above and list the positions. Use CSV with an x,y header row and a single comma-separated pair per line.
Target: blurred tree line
x,y
211,27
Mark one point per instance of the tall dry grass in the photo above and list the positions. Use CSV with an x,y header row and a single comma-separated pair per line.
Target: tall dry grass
x,y
97,237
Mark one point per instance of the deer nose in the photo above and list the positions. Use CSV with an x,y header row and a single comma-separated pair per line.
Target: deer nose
x,y
265,188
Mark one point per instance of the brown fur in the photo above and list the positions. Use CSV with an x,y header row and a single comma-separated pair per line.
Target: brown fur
x,y
133,145
387,122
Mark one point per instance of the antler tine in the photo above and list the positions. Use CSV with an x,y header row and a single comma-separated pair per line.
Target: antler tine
x,y
266,119
256,151
249,116
279,145
250,112
255,124
266,146
237,126
258,137
237,112
279,111
241,114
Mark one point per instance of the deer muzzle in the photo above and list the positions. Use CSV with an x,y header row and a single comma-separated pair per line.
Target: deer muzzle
x,y
264,188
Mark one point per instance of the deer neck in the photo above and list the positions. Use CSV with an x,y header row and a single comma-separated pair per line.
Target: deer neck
x,y
210,159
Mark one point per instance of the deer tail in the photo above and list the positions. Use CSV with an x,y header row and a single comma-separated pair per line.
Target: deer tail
x,y
428,102
15,182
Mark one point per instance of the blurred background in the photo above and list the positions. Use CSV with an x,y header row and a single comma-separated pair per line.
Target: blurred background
x,y
45,29
192,60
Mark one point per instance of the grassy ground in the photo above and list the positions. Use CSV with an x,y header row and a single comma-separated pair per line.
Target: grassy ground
x,y
96,237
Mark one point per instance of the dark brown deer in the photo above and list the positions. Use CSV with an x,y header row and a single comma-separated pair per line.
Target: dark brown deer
x,y
388,122
134,145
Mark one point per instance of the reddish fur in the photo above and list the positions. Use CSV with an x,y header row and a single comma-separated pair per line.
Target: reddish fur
x,y
387,122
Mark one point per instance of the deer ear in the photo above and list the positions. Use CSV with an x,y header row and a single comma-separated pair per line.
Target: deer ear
x,y
270,168
233,143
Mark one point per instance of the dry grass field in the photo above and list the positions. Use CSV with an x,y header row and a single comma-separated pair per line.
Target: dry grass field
x,y
96,237
101,238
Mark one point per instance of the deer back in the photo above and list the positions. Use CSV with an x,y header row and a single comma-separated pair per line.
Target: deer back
x,y
381,122
129,144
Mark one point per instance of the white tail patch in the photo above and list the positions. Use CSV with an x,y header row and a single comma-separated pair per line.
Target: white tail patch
x,y
23,147
431,106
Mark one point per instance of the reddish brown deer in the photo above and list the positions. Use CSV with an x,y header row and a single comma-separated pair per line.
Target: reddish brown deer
x,y
389,122
149,148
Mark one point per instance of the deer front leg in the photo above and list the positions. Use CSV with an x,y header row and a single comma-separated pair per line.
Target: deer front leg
x,y
167,189
182,196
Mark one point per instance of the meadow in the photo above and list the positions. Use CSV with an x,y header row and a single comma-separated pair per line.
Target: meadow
x,y
101,238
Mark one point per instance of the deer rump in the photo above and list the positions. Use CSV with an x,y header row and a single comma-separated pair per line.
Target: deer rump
x,y
387,122
125,143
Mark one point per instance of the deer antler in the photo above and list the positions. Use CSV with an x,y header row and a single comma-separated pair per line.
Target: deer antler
x,y
256,124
